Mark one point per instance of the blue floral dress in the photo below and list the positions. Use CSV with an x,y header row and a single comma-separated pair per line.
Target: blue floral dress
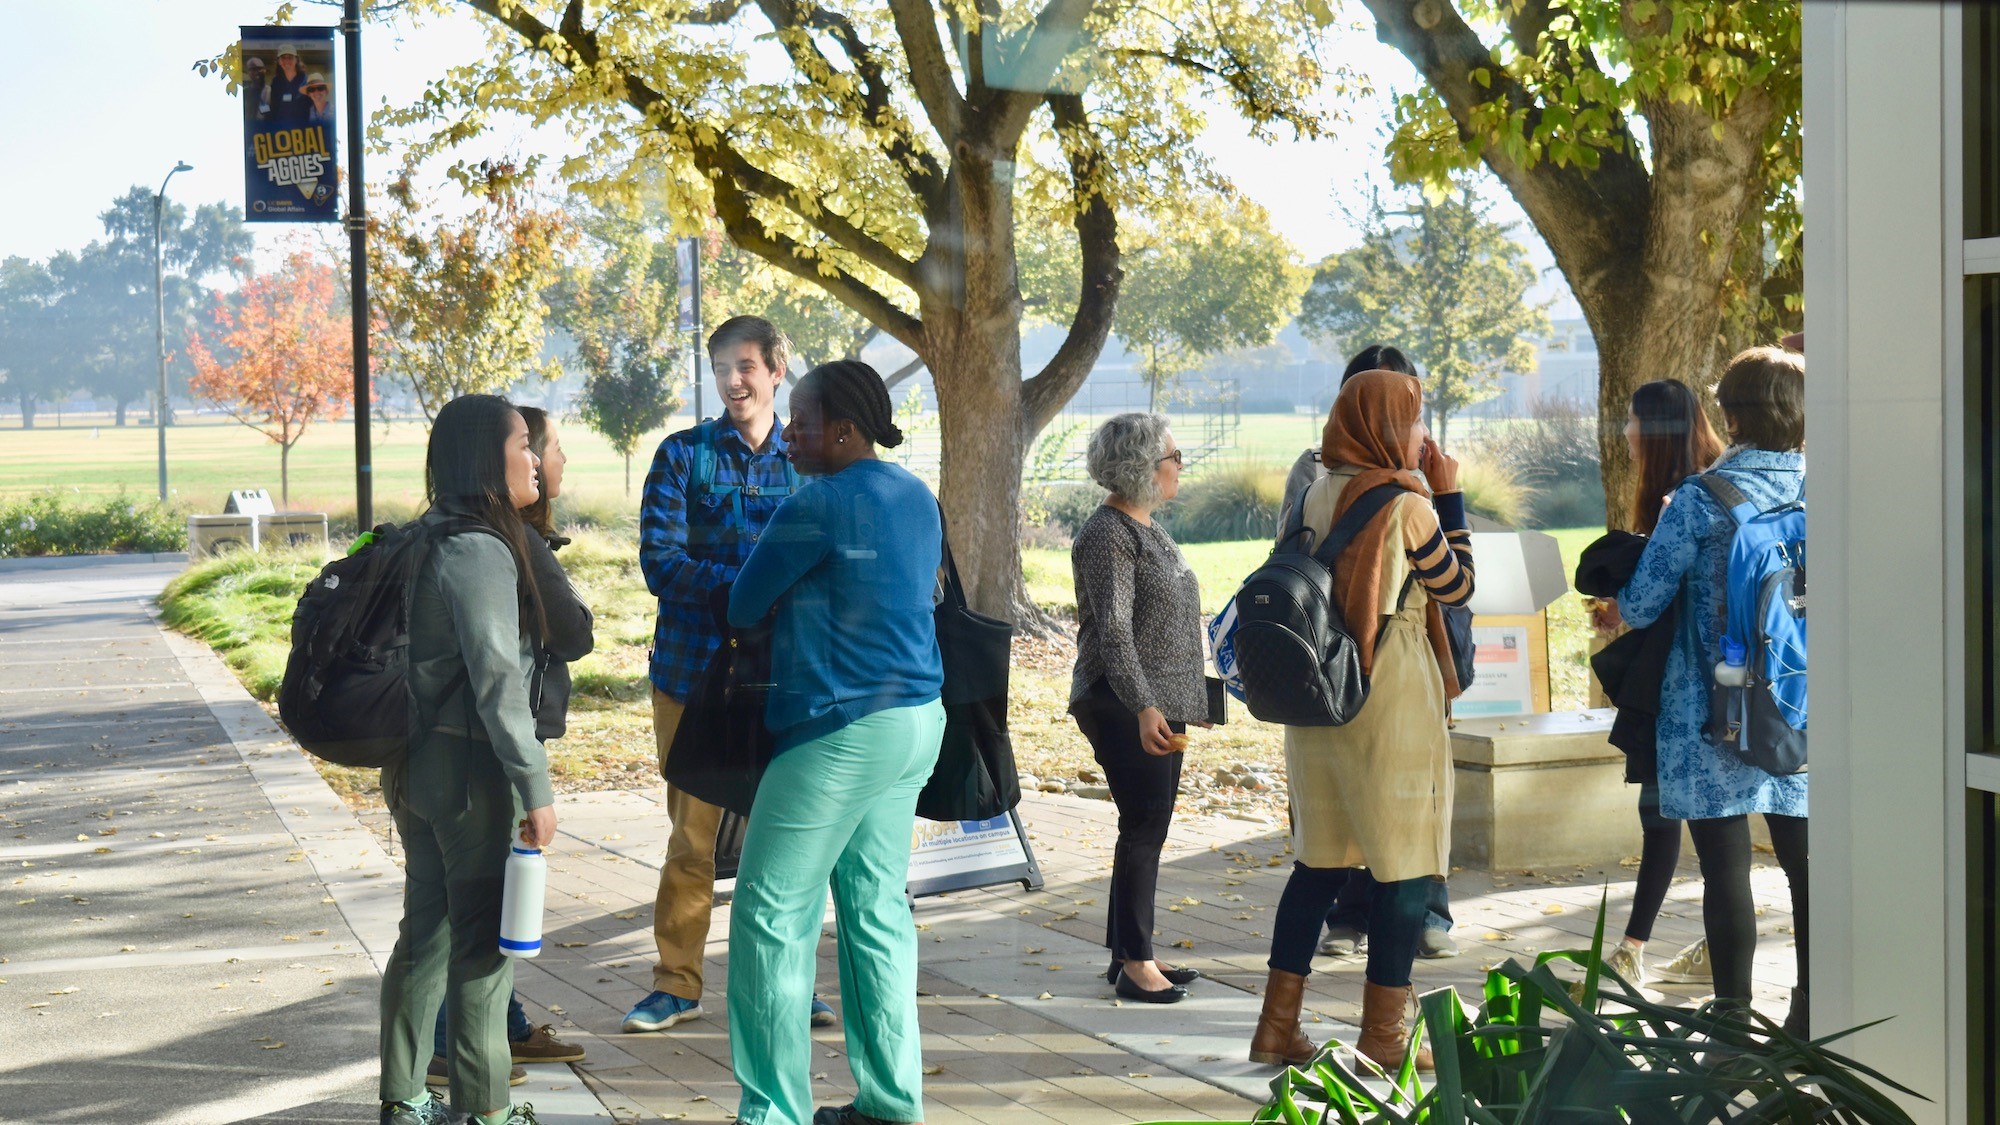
x,y
1687,561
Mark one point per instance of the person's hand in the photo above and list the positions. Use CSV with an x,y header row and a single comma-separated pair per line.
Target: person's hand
x,y
1440,468
1604,615
538,828
1155,737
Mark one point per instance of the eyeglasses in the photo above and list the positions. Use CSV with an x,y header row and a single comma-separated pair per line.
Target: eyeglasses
x,y
1175,457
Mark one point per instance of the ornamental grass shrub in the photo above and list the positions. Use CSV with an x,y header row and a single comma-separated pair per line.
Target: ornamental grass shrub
x,y
55,523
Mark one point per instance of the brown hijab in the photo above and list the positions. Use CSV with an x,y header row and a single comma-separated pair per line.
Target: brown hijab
x,y
1369,429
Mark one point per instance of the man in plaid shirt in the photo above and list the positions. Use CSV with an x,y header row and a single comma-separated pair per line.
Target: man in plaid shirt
x,y
690,546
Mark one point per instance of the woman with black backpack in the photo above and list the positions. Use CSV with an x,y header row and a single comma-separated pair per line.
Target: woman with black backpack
x,y
1376,792
568,638
475,776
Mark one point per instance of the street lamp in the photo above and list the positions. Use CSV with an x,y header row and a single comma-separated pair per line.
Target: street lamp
x,y
160,321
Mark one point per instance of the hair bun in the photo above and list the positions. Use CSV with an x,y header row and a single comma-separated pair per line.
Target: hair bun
x,y
890,439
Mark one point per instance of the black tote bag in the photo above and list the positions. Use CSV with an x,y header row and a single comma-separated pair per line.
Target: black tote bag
x,y
722,746
975,778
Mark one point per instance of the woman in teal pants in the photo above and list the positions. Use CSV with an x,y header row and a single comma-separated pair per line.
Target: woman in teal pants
x,y
848,563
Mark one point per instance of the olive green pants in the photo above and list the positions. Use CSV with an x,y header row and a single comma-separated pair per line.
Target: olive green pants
x,y
449,946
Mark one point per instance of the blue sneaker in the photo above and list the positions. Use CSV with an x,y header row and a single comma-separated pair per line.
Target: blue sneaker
x,y
823,1014
660,1011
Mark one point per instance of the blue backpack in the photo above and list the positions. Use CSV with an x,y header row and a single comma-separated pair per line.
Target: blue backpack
x,y
701,476
1763,719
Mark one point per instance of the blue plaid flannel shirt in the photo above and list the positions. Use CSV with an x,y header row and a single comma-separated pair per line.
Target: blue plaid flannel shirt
x,y
686,554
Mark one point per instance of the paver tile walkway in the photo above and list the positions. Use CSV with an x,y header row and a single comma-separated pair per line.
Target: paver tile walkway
x,y
185,894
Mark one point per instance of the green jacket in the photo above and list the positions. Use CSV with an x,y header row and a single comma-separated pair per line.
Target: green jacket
x,y
464,617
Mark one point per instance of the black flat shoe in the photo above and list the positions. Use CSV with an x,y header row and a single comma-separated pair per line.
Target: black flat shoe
x,y
1172,994
1174,976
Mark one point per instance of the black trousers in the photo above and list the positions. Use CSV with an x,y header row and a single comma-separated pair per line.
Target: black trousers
x,y
1144,787
1728,913
1659,855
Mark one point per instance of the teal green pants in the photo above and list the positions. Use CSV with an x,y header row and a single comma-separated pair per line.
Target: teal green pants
x,y
841,807
448,948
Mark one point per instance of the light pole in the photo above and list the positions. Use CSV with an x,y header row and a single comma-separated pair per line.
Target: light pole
x,y
160,321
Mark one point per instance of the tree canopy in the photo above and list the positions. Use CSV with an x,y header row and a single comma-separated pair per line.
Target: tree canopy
x,y
886,151
1654,144
458,303
620,307
1449,290
280,356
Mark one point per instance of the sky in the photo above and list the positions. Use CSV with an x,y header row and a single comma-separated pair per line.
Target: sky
x,y
100,95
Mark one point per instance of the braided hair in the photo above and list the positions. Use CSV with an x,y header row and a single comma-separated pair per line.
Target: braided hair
x,y
848,389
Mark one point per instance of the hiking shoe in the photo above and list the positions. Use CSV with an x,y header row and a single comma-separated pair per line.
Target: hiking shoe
x,y
439,1073
541,1046
823,1014
430,1111
1689,966
523,1114
1435,944
660,1011
1343,941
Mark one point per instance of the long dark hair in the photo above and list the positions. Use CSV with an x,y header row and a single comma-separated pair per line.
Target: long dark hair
x,y
1378,357
465,474
1675,442
539,515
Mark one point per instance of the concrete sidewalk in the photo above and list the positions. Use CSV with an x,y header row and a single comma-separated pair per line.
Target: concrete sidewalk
x,y
191,911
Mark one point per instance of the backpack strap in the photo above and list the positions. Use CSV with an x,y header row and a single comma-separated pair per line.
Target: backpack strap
x,y
1729,498
701,478
1354,520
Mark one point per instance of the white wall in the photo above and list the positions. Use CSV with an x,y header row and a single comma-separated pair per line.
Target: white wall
x,y
1881,790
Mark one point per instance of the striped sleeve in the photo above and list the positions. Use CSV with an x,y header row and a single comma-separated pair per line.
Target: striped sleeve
x,y
1440,547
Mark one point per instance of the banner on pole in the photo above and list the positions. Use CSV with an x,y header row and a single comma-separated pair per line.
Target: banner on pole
x,y
289,130
686,261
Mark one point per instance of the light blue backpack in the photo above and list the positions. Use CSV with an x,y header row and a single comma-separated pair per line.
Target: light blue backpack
x,y
1763,719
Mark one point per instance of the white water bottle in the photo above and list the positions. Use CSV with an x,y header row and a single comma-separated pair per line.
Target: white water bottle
x,y
1734,670
521,901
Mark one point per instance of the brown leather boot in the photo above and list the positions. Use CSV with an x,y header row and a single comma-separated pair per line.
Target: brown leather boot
x,y
1278,1041
1385,1037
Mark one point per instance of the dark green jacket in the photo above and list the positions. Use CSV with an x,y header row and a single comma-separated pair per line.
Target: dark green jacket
x,y
464,615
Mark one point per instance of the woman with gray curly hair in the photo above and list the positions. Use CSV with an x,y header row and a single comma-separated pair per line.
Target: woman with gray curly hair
x,y
1138,683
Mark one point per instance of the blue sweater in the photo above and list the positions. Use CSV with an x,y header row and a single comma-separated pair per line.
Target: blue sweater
x,y
849,562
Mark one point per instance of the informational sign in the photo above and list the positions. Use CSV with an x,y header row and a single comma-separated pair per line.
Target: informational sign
x,y
1510,662
289,132
944,856
957,855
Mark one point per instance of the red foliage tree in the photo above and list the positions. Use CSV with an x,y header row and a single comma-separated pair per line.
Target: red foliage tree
x,y
280,357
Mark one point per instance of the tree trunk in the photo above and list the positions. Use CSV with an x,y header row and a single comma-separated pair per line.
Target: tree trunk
x,y
27,411
1664,319
285,474
972,326
628,476
119,418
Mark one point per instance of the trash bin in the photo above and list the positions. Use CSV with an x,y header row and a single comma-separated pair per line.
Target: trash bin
x,y
292,529
213,535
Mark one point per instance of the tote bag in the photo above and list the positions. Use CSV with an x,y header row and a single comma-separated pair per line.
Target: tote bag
x,y
975,778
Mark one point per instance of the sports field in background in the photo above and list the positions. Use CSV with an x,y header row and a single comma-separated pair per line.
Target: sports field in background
x,y
207,456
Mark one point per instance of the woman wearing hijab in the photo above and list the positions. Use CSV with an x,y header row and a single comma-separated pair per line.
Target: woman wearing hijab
x,y
1376,793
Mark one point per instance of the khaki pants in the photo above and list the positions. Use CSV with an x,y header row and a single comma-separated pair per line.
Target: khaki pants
x,y
687,881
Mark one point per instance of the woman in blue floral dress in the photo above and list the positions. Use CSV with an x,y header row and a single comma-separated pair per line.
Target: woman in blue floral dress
x,y
1762,396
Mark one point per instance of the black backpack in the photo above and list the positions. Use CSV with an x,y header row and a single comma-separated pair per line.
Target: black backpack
x,y
1300,664
346,695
